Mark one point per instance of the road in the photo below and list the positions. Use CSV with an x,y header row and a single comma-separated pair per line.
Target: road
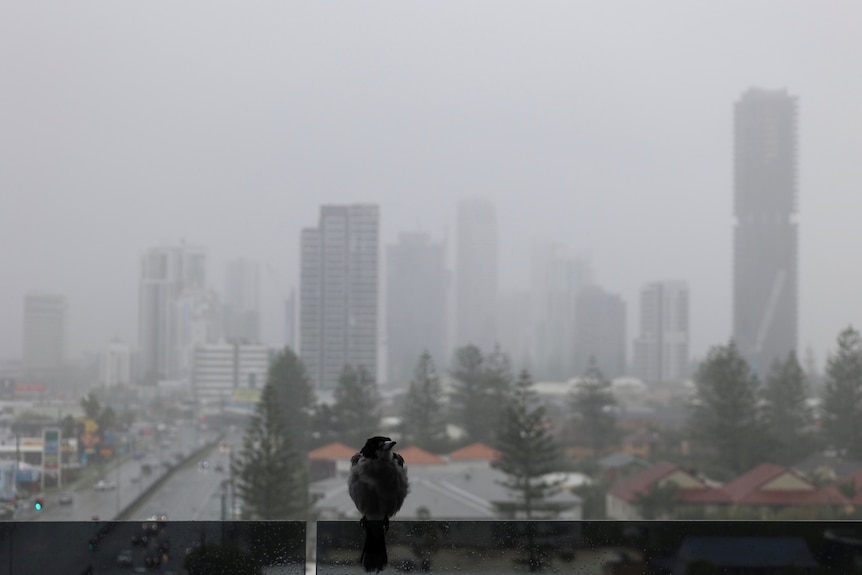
x,y
130,483
194,492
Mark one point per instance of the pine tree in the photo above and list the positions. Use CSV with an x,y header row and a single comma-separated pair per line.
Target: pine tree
x,y
527,449
288,376
593,407
787,412
423,423
467,395
270,473
726,417
842,396
497,384
356,411
482,384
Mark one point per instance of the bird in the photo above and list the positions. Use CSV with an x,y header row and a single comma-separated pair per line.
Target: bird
x,y
378,485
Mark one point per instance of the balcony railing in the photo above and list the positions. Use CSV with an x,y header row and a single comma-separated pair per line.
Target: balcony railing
x,y
333,547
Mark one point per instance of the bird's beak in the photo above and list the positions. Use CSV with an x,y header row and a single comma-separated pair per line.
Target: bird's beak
x,y
389,445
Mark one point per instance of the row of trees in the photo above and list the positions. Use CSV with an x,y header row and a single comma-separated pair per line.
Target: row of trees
x,y
742,422
485,401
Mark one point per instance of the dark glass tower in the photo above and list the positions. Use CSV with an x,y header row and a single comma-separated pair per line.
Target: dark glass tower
x,y
765,277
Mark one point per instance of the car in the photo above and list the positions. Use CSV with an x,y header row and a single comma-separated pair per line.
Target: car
x,y
124,558
102,485
66,498
219,466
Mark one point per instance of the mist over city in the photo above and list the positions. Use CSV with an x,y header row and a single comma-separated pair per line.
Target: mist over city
x,y
623,219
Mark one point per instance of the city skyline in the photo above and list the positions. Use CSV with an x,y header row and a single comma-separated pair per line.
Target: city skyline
x,y
617,144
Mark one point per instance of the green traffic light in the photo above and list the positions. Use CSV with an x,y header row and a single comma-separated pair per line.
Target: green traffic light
x,y
38,505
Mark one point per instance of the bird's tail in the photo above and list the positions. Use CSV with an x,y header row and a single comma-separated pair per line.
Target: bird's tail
x,y
374,553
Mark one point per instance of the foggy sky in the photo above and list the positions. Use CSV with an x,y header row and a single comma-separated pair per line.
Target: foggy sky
x,y
606,126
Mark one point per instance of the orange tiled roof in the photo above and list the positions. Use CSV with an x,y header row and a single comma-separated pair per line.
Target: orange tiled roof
x,y
332,451
475,451
417,456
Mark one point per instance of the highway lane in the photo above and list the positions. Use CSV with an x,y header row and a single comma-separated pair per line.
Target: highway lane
x,y
194,492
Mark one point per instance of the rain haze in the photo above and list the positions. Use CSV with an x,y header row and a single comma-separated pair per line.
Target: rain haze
x,y
607,127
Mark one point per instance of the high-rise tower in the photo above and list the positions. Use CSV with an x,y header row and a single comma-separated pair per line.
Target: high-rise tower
x,y
766,237
661,349
241,302
166,273
415,304
44,332
338,292
476,274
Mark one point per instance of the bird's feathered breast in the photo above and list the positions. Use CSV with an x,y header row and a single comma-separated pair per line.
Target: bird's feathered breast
x,y
377,486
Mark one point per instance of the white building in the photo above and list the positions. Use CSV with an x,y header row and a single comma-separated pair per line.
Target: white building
x,y
44,332
242,302
115,364
166,272
197,324
416,290
661,349
338,295
476,274
557,279
220,369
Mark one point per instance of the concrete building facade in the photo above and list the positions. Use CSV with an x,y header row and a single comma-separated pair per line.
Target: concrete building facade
x,y
765,269
339,291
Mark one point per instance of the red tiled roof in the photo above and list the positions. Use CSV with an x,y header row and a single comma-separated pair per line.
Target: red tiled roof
x,y
417,456
475,451
748,489
640,483
332,451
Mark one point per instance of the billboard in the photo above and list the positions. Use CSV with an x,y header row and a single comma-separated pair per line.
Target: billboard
x,y
51,450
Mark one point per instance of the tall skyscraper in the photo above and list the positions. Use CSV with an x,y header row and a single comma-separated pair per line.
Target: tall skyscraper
x,y
765,239
44,333
600,332
557,279
242,302
415,304
661,349
166,272
338,292
476,274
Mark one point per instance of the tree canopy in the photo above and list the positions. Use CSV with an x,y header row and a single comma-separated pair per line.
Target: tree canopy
x,y
726,417
356,411
527,449
270,473
842,395
592,404
423,421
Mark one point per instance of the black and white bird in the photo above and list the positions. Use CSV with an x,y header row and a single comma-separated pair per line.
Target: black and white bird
x,y
377,485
